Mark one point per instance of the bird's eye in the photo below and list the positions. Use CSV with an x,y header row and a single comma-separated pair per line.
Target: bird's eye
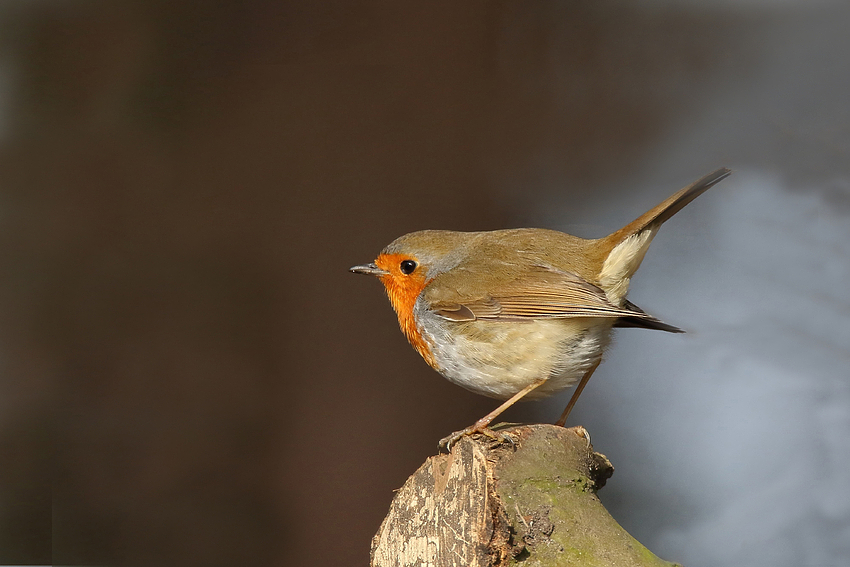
x,y
407,266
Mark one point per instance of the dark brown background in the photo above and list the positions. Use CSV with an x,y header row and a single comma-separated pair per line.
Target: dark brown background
x,y
193,375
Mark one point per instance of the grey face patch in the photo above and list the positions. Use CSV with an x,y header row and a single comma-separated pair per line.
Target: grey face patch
x,y
437,251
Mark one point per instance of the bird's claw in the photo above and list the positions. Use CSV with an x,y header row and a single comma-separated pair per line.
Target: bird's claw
x,y
498,437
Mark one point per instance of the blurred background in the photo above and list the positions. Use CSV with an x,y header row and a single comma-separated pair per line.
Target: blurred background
x,y
191,377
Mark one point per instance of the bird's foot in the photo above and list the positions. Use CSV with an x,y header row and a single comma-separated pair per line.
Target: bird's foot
x,y
478,428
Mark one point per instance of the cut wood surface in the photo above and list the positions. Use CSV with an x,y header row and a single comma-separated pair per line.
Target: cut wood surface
x,y
530,503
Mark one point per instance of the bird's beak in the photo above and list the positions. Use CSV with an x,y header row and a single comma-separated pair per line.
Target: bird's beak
x,y
368,269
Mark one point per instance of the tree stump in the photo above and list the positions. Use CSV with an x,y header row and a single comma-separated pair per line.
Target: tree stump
x,y
489,504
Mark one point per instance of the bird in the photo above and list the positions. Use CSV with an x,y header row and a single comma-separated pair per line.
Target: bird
x,y
520,313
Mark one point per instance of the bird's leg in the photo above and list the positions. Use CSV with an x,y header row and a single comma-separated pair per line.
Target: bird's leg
x,y
481,426
563,419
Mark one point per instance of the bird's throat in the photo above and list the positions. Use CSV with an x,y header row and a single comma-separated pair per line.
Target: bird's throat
x,y
403,293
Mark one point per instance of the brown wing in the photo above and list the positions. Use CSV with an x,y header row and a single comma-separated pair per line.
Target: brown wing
x,y
541,292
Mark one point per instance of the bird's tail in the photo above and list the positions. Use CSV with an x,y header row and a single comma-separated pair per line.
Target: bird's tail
x,y
656,216
624,249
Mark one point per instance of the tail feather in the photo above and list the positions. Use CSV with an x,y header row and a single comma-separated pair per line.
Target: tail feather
x,y
644,322
669,207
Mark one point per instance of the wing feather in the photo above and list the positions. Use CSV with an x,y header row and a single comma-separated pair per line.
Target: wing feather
x,y
542,292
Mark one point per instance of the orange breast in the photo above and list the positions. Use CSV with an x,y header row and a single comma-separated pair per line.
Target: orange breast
x,y
403,290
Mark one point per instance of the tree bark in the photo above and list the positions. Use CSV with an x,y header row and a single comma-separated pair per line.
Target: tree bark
x,y
489,504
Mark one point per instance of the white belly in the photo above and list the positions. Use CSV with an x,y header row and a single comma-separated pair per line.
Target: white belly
x,y
499,358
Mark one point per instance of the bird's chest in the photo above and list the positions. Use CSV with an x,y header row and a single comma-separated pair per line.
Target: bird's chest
x,y
499,358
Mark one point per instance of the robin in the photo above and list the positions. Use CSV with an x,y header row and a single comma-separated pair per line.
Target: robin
x,y
519,313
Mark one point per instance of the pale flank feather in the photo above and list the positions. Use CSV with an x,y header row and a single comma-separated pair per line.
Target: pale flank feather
x,y
622,263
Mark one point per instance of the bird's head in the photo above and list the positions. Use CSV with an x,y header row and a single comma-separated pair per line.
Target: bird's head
x,y
408,264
